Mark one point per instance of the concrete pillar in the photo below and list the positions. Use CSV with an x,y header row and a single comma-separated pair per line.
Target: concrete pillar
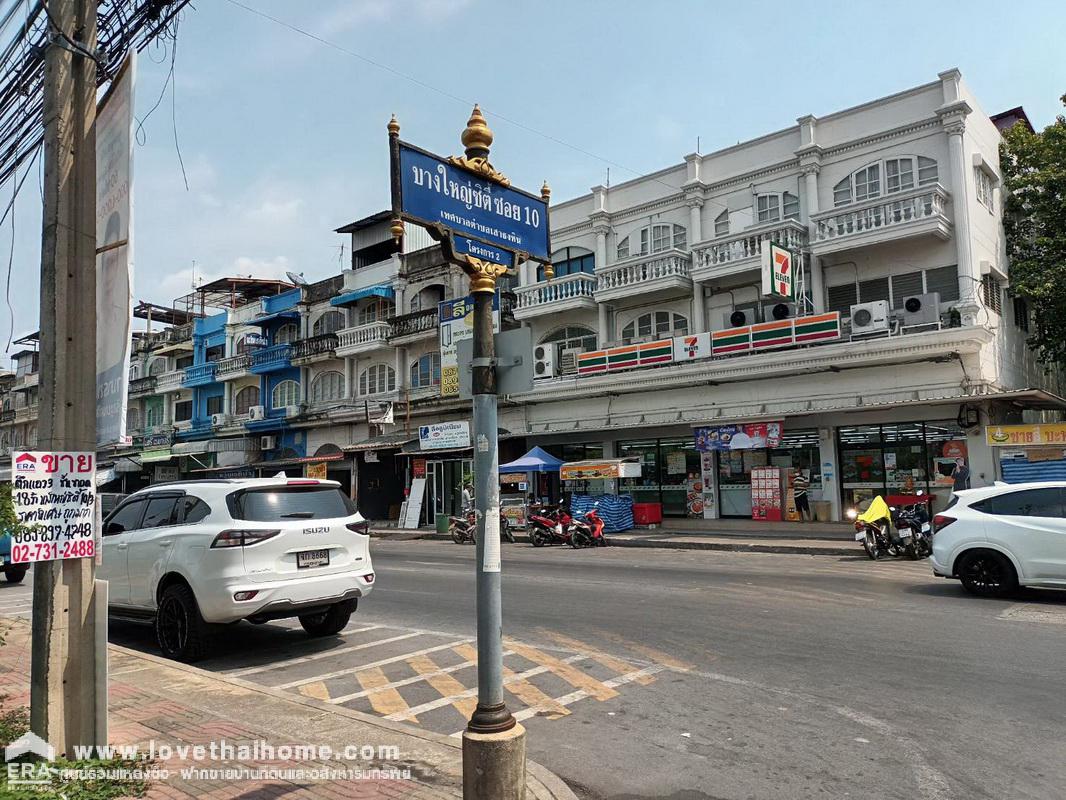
x,y
305,385
401,369
601,247
810,186
401,296
695,223
227,398
817,284
698,324
604,333
968,270
827,452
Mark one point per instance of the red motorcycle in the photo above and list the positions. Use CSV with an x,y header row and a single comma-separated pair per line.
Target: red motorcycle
x,y
549,526
587,530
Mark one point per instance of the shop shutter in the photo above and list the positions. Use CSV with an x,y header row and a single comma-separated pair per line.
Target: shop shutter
x,y
842,298
872,290
1019,470
945,281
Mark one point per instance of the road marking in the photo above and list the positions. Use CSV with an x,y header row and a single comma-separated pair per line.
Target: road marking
x,y
1031,612
417,678
317,656
562,668
383,700
352,670
443,683
653,655
523,690
316,690
581,694
612,663
444,701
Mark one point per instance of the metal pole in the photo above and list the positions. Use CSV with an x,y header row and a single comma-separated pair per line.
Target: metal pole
x,y
491,715
64,707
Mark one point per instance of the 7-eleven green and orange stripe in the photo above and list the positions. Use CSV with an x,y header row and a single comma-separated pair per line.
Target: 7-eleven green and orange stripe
x,y
771,334
591,363
660,352
818,328
731,340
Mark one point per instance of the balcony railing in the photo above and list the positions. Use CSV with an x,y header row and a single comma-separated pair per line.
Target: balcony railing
x,y
418,322
177,334
200,374
242,315
142,386
918,209
362,338
7,416
169,381
268,359
646,273
742,251
562,293
233,367
322,346
26,413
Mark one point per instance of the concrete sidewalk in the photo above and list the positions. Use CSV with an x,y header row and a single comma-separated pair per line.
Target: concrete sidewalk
x,y
734,541
153,699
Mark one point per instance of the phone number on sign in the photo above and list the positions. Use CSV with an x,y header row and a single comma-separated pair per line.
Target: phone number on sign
x,y
52,533
45,551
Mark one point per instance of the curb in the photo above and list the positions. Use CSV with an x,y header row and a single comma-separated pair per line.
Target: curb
x,y
666,544
554,786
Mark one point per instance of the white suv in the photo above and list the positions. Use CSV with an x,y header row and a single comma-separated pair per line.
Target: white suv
x,y
999,537
196,553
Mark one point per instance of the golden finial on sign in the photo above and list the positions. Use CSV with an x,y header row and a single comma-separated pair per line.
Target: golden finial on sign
x,y
545,192
394,126
477,138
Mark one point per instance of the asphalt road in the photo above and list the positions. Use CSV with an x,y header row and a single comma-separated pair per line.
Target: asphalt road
x,y
692,675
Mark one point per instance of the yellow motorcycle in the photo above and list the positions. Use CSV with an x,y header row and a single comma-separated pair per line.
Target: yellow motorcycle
x,y
872,529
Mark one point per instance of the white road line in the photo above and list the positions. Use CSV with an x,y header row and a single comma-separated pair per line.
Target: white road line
x,y
350,670
580,694
316,656
415,679
447,701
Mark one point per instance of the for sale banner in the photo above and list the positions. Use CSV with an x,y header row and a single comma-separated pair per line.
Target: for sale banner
x,y
54,496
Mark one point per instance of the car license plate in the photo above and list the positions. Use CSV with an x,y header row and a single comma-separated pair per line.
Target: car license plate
x,y
312,558
860,537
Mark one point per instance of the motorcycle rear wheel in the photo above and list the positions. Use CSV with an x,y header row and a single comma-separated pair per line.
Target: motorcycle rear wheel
x,y
579,539
869,544
457,535
537,538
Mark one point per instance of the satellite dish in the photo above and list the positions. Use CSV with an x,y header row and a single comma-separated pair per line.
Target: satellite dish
x,y
296,278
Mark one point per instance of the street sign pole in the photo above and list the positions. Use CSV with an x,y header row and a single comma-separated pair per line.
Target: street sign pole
x,y
494,763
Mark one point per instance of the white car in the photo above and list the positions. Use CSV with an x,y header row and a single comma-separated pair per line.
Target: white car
x,y
193,554
998,537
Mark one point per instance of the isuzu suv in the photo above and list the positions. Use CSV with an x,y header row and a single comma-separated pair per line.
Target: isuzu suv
x,y
196,554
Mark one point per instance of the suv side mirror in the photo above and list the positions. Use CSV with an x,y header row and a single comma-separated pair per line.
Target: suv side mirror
x,y
113,527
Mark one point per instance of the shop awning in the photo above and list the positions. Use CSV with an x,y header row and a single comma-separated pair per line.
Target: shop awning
x,y
189,448
536,460
293,462
291,313
348,298
390,441
233,445
157,455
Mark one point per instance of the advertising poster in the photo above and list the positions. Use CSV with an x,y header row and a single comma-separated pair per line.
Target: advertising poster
x,y
54,495
456,323
114,254
749,436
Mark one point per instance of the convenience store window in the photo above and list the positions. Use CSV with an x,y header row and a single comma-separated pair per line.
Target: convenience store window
x,y
669,469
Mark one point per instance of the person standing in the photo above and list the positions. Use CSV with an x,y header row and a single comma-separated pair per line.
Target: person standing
x,y
801,484
960,476
468,496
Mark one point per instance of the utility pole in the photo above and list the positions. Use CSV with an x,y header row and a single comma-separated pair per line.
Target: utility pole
x,y
66,675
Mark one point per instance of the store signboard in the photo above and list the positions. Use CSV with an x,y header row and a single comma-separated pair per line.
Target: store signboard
x,y
748,436
778,271
318,470
456,321
689,348
594,470
444,435
1025,435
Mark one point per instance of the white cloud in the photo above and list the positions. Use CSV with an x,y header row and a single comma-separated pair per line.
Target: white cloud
x,y
353,14
275,212
181,282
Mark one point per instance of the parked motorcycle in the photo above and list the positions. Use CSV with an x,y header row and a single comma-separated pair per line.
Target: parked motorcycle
x,y
549,525
873,529
914,529
464,528
587,530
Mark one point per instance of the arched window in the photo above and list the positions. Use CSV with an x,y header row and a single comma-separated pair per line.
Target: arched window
x,y
570,261
286,393
652,239
329,449
427,298
133,419
377,311
246,344
31,436
328,387
657,324
572,336
425,371
330,322
158,366
286,334
377,379
775,207
721,224
245,399
889,176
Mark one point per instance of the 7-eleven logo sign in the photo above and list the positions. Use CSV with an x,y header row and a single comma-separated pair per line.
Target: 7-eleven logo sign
x,y
778,271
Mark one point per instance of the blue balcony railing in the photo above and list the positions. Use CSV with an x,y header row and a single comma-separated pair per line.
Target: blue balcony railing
x,y
269,359
199,374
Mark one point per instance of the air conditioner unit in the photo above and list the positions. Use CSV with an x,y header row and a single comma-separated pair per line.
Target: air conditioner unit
x,y
867,318
568,360
739,318
775,312
268,442
544,361
293,411
257,412
218,420
921,309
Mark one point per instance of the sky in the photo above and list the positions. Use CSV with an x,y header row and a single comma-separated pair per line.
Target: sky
x,y
283,137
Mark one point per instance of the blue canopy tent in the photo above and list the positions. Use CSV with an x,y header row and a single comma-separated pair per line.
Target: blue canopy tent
x,y
536,460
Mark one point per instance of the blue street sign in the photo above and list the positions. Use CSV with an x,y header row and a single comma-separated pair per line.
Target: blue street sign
x,y
486,252
434,192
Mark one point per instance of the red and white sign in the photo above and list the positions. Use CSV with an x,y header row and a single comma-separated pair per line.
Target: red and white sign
x,y
54,496
689,348
778,271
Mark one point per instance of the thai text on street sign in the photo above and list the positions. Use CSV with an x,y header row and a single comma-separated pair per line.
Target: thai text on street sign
x,y
778,271
54,496
437,193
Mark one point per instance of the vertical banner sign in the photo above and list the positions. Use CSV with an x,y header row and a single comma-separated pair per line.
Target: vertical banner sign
x,y
114,254
456,321
778,271
54,497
